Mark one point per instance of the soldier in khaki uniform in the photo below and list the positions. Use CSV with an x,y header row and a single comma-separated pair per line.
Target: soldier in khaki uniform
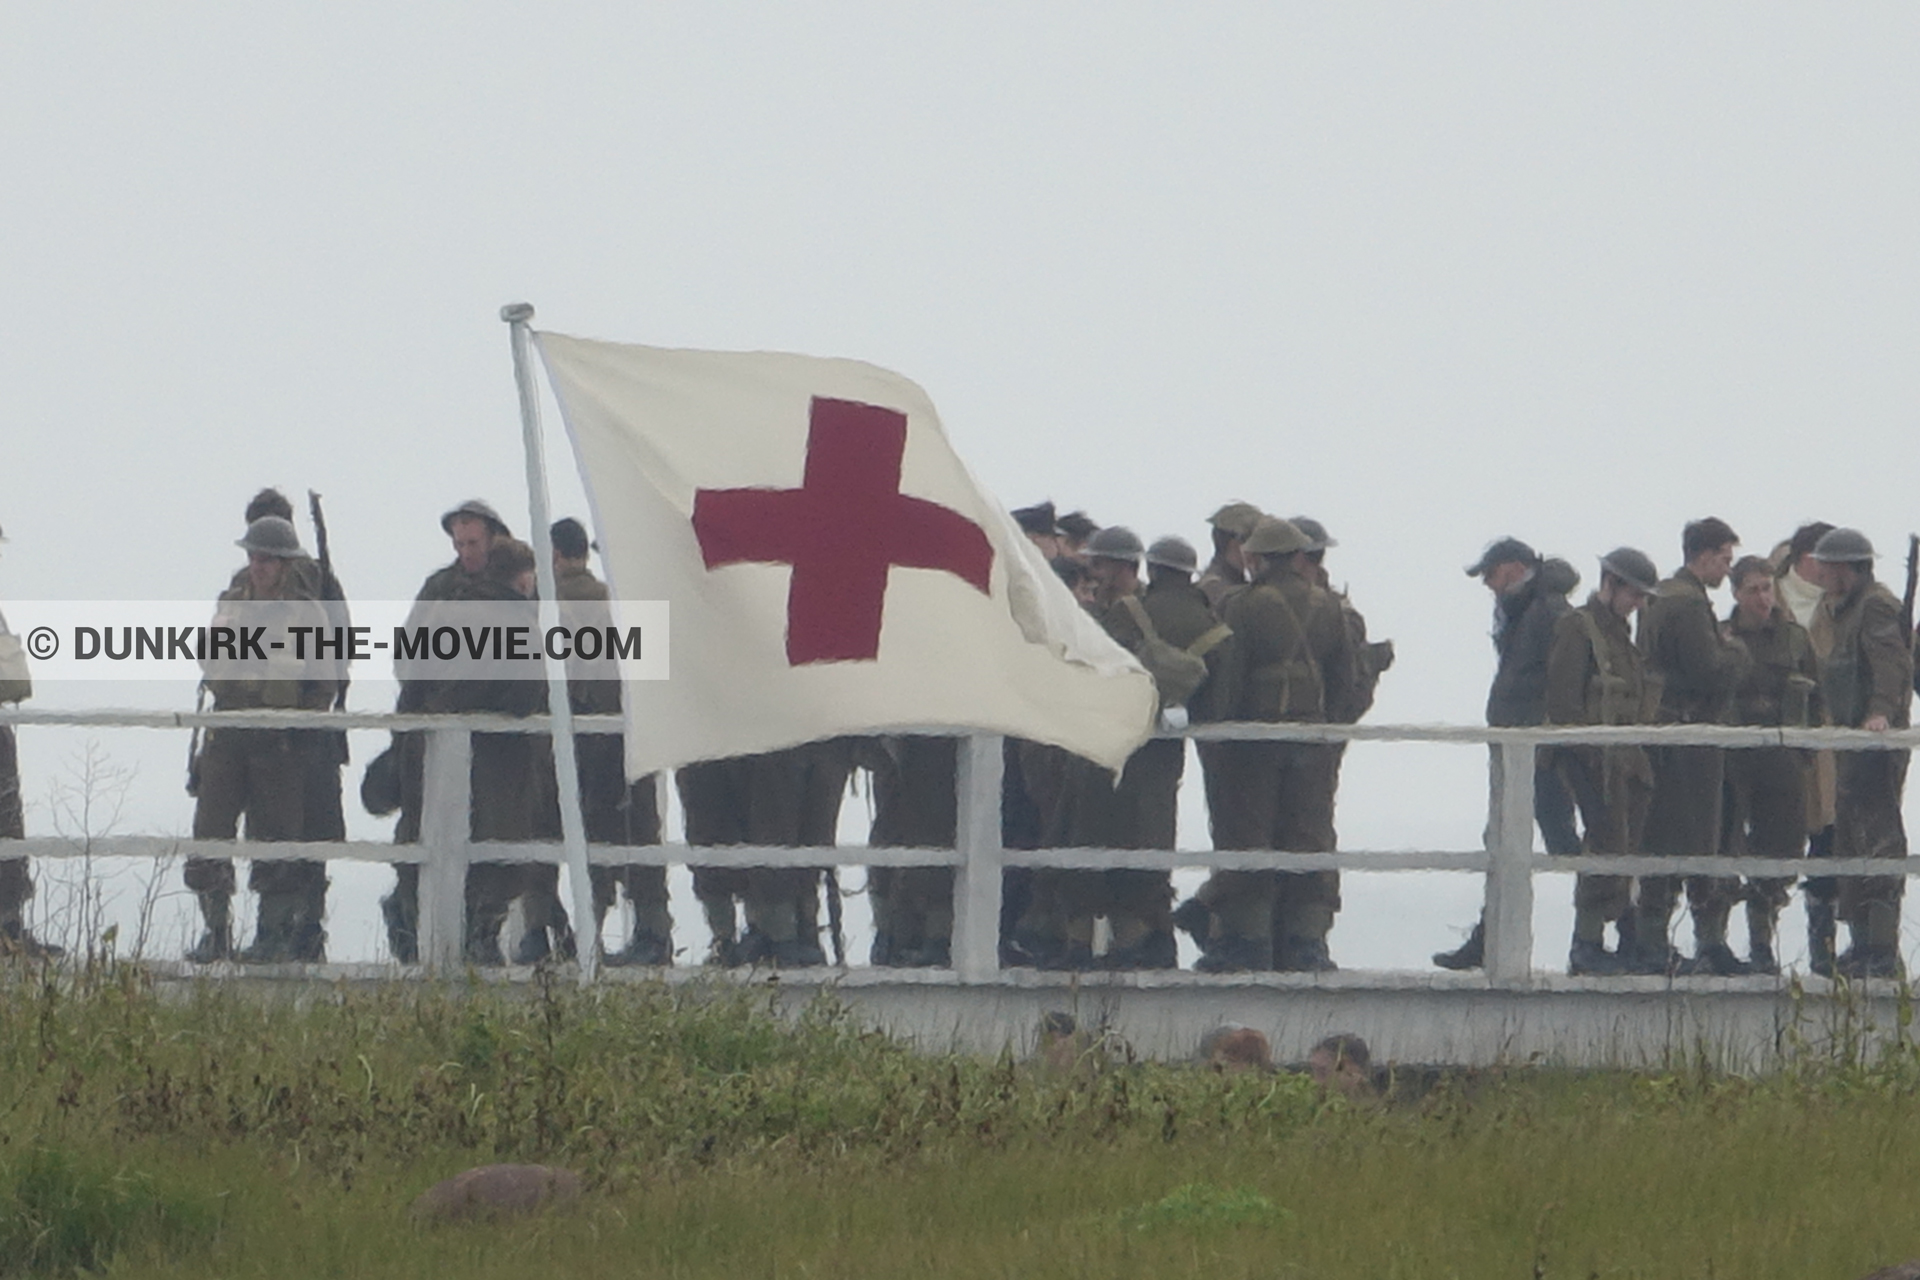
x,y
16,876
1867,679
783,799
473,527
1226,572
294,893
1596,676
613,810
1292,662
1698,669
1766,804
512,773
1082,807
914,807
261,773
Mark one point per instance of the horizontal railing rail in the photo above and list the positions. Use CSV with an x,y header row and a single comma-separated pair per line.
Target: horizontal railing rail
x,y
1508,861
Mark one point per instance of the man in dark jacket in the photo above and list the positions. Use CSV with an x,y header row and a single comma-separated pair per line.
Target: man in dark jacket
x,y
1530,597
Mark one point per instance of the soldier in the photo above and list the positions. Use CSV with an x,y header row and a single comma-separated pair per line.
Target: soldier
x,y
293,894
1082,807
512,773
1292,662
1596,676
1042,529
1867,681
262,773
1798,592
1225,576
914,807
1530,598
1766,809
1076,530
782,799
473,527
1698,668
1226,572
614,811
1371,658
1173,631
16,874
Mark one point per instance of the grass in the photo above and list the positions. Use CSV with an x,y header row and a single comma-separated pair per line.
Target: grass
x,y
229,1135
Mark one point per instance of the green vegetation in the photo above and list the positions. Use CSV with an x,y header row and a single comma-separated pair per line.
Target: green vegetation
x,y
226,1133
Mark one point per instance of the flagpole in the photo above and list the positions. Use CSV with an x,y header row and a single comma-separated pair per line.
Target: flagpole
x,y
566,769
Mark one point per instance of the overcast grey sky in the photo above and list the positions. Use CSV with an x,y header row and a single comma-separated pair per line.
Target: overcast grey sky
x,y
1430,273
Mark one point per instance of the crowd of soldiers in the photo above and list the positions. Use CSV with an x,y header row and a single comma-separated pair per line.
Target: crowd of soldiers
x,y
1813,640
1257,635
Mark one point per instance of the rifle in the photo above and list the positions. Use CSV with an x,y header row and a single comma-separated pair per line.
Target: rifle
x,y
1913,581
193,743
329,585
1906,601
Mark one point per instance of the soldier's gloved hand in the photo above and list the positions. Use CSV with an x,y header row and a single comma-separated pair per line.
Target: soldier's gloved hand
x,y
1173,719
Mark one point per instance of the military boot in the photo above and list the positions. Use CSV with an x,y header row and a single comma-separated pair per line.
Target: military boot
x,y
1762,919
1715,960
216,942
1303,955
643,949
403,929
1470,954
1653,957
1154,950
724,951
273,933
1195,918
1235,954
1712,957
1820,937
1875,952
482,946
1651,954
1592,960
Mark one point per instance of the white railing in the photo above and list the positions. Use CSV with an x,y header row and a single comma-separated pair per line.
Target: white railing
x,y
1508,860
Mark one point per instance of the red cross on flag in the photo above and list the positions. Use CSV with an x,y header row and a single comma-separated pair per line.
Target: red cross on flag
x,y
829,564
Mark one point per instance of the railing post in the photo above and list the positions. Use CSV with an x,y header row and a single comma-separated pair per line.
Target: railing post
x,y
446,830
1509,909
976,881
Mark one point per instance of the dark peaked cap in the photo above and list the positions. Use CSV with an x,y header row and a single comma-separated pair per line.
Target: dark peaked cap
x,y
1038,518
1504,551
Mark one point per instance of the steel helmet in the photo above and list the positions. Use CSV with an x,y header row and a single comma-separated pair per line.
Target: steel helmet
x,y
1174,553
1316,533
478,510
272,536
1632,567
1843,546
1236,518
1115,542
1275,537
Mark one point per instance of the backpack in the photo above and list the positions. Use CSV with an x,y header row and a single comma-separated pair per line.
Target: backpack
x,y
1176,672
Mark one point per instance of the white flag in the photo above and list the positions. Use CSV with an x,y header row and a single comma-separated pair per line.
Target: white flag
x,y
829,565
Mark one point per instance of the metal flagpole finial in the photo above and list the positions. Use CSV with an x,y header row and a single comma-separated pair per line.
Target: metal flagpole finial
x,y
517,312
